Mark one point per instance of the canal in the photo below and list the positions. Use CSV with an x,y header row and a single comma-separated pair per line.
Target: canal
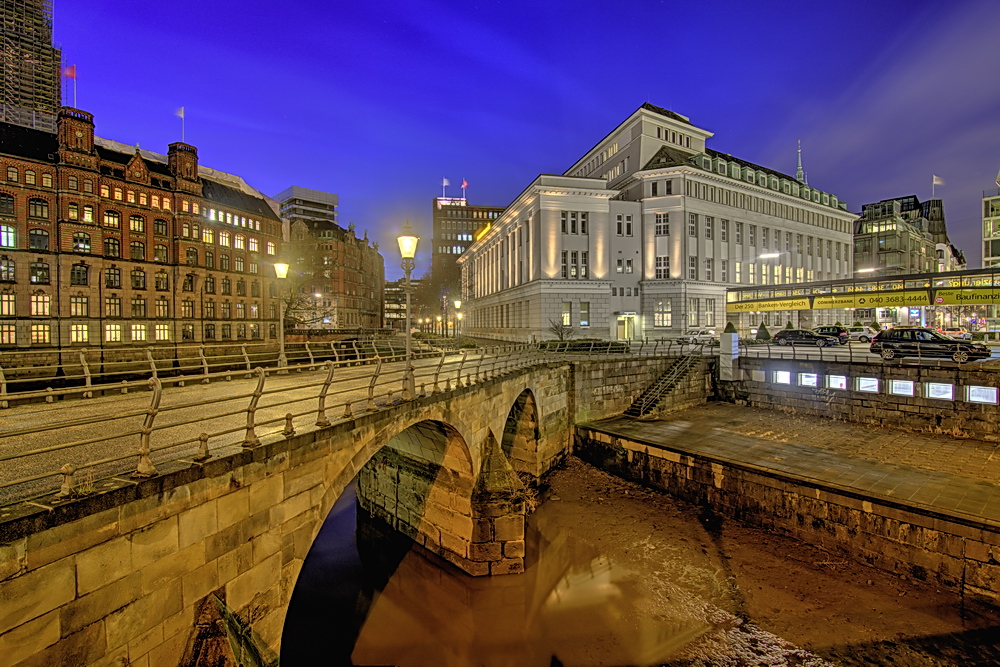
x,y
617,574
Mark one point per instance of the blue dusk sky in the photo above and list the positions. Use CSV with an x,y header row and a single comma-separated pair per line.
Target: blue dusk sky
x,y
379,101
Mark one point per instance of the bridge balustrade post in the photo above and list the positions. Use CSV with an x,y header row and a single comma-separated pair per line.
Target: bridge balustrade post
x,y
493,366
321,418
251,439
437,373
482,355
371,385
246,358
3,389
461,365
289,429
152,364
312,361
204,364
68,487
203,454
357,353
145,467
333,348
87,380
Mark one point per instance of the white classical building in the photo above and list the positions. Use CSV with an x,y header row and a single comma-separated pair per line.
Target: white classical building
x,y
643,234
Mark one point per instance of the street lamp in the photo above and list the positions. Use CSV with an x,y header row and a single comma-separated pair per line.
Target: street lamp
x,y
408,250
281,271
458,318
440,328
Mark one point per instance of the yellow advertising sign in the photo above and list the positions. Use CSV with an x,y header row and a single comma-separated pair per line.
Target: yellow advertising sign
x,y
768,305
874,300
957,297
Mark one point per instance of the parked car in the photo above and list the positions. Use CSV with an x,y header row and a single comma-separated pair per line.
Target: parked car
x,y
836,330
957,332
925,342
803,337
863,334
704,336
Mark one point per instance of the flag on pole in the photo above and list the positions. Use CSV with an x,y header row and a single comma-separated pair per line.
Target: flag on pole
x,y
445,182
69,71
465,184
180,113
937,181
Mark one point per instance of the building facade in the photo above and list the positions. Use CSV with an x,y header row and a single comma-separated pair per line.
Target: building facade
x,y
30,67
991,226
102,244
640,238
902,236
336,278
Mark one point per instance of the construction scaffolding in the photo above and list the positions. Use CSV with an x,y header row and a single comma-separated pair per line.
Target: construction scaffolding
x,y
30,66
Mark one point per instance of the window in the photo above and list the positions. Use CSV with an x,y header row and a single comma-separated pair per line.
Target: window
x,y
113,278
79,333
241,287
209,332
118,194
227,331
112,306
628,266
162,307
41,333
662,267
192,256
138,307
39,273
6,204
12,174
8,237
160,227
567,313
138,279
226,310
628,225
692,224
38,239
584,265
113,333
227,286
692,268
239,264
253,245
620,266
187,284
693,312
137,223
88,213
709,312
241,311
208,235
724,270
709,227
40,304
709,265
137,250
46,180
138,333
143,199
661,313
738,232
210,284
73,211
224,238
8,335
663,224
187,308
160,281
8,304
584,313
209,259
187,332
79,306
88,185
224,262
724,231
159,253
271,248
130,196
112,219
240,242
72,183
752,235
79,274
81,242
209,309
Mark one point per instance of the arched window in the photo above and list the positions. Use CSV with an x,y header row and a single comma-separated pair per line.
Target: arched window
x,y
38,239
8,236
240,242
192,256
210,284
113,219
210,259
136,223
72,183
81,242
224,262
29,177
253,245
39,273
224,238
186,229
227,286
159,253
112,247
88,213
160,227
38,208
7,269
12,174
255,288
241,287
240,264
46,180
112,278
137,250
79,274
138,278
6,204
161,281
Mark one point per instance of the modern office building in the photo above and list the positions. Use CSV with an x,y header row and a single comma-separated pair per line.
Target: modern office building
x,y
904,236
455,222
642,235
991,226
337,279
395,304
30,67
105,245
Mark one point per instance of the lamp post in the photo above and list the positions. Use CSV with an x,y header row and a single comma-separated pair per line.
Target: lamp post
x,y
458,319
440,328
408,250
281,271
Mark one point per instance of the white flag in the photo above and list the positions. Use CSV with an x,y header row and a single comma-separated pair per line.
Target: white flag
x,y
937,181
445,182
180,112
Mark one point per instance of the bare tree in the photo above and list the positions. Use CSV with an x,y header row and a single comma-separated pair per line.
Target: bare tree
x,y
559,330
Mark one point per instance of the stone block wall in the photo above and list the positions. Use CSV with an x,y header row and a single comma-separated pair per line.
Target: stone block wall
x,y
950,550
957,416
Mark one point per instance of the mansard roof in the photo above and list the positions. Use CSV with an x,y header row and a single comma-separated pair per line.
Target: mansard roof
x,y
744,163
28,143
668,156
225,195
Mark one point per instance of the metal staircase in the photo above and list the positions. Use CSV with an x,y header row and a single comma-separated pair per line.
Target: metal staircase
x,y
649,399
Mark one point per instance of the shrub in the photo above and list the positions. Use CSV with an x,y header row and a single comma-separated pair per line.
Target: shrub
x,y
789,325
729,328
763,333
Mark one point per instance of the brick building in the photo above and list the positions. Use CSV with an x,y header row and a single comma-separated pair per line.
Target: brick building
x,y
102,244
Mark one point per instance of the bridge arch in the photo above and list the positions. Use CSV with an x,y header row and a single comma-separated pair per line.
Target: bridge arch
x,y
520,437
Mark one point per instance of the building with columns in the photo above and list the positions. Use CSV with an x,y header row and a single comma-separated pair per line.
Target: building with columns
x,y
641,237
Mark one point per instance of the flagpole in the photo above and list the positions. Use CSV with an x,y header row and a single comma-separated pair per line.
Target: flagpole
x,y
933,183
74,90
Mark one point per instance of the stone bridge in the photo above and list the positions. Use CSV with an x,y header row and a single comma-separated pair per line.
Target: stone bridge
x,y
131,576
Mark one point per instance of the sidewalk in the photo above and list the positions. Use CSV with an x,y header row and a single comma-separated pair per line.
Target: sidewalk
x,y
956,476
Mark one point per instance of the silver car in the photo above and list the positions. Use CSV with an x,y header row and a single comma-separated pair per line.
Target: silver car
x,y
863,334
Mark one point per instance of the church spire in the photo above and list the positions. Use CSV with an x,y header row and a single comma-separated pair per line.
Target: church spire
x,y
799,174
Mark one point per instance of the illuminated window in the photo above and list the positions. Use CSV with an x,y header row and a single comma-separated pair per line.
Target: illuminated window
x,y
8,304
112,219
160,281
567,313
138,332
79,333
113,333
136,223
79,306
40,304
41,333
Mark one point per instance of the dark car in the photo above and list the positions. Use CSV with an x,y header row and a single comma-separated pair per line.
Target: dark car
x,y
803,337
925,342
841,333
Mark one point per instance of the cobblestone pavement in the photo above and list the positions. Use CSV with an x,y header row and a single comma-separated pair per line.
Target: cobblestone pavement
x,y
936,471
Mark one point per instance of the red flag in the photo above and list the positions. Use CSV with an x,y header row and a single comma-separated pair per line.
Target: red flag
x,y
465,184
69,71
